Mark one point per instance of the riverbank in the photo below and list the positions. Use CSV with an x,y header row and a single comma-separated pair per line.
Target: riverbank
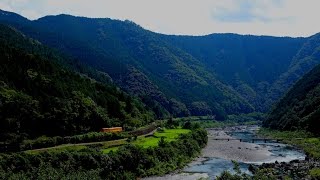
x,y
217,155
297,169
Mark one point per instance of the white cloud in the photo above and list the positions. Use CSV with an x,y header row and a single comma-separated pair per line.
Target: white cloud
x,y
5,6
268,17
31,14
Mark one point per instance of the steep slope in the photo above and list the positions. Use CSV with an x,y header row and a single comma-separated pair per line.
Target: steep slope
x,y
38,96
250,64
300,108
116,47
305,59
178,75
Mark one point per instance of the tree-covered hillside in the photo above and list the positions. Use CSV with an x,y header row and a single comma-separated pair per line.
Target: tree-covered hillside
x,y
306,58
180,84
216,74
250,64
39,96
300,107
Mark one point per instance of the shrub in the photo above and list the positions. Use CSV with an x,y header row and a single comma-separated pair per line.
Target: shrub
x,y
129,162
315,173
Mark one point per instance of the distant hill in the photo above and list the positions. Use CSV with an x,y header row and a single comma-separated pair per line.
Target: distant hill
x,y
300,107
250,64
217,74
40,96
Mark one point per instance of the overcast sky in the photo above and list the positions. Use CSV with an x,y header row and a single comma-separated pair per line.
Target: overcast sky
x,y
192,17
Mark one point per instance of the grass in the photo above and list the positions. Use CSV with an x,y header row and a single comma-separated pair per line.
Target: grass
x,y
168,134
106,147
152,141
106,151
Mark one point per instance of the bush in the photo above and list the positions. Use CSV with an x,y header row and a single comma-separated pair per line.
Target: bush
x,y
171,124
44,142
129,162
315,173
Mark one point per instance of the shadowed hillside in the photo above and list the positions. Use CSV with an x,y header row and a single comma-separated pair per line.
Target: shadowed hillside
x,y
216,74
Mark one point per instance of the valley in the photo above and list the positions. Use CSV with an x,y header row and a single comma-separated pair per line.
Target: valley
x,y
222,74
218,155
100,98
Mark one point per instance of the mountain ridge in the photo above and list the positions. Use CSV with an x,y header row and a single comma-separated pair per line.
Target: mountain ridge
x,y
225,73
299,108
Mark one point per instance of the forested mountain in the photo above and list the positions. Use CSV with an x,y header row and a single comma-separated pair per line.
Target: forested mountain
x,y
300,107
250,64
179,83
40,96
216,74
306,58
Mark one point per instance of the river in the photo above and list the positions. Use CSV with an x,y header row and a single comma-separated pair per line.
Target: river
x,y
217,155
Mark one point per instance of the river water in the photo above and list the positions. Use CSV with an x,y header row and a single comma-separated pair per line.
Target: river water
x,y
214,166
217,155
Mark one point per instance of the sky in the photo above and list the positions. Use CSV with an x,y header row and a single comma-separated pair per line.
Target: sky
x,y
189,17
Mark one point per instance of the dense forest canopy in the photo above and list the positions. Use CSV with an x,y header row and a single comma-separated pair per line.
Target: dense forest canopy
x,y
40,96
216,74
250,64
299,108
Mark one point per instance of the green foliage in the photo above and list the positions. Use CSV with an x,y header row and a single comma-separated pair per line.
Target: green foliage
x,y
315,173
167,135
167,79
299,109
304,140
162,142
89,162
245,118
44,142
236,167
195,122
187,125
41,97
218,74
252,65
305,60
261,174
171,124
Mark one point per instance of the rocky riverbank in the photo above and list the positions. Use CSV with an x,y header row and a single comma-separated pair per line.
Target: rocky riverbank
x,y
207,165
296,169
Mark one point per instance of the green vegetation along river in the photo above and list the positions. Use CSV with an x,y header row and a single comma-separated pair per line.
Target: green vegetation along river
x,y
217,156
